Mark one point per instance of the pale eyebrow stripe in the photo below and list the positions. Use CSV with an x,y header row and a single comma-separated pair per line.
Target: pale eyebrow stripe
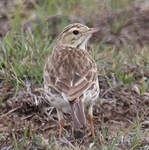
x,y
70,26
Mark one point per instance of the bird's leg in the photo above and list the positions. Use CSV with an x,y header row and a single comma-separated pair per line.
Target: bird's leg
x,y
90,113
61,121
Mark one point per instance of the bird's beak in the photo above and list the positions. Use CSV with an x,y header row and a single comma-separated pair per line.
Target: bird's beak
x,y
92,30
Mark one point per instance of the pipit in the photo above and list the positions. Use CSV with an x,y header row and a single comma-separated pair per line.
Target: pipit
x,y
70,77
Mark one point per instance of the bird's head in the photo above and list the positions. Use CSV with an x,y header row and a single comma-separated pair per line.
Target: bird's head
x,y
76,35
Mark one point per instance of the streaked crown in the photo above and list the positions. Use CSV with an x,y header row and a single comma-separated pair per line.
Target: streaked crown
x,y
75,35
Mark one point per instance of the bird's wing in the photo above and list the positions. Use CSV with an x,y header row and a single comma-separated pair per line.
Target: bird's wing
x,y
70,72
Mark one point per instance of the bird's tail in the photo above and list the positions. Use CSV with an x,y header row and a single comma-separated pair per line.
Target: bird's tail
x,y
78,115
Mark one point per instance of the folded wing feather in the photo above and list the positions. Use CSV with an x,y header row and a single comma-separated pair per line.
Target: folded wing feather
x,y
72,72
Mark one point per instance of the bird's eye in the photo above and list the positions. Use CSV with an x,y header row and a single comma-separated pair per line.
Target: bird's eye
x,y
75,32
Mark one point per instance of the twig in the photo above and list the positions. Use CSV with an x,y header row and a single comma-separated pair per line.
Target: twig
x,y
108,90
11,111
29,116
64,140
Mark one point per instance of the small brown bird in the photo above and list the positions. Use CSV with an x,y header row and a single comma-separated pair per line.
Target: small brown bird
x,y
70,77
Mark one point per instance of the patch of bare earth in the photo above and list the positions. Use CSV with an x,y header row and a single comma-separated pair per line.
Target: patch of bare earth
x,y
130,26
